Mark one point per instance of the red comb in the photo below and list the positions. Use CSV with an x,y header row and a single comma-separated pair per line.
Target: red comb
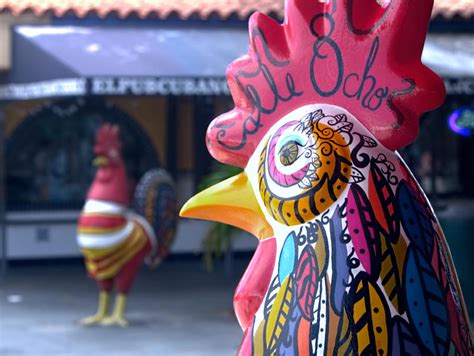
x,y
107,138
362,55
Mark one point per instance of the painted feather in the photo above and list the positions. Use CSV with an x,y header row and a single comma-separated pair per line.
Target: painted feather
x,y
303,337
340,270
400,250
288,344
288,256
321,249
370,314
320,321
155,199
257,340
415,188
278,317
438,264
391,273
426,303
363,230
416,220
403,340
384,202
345,339
271,295
306,281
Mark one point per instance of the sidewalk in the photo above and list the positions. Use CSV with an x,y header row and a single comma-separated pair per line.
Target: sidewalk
x,y
177,309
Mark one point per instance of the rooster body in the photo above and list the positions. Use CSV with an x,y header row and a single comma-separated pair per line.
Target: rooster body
x,y
351,259
115,240
361,264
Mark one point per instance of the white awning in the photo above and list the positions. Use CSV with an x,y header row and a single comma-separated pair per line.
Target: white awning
x,y
78,60
450,55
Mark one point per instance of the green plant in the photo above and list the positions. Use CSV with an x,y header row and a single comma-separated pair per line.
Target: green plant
x,y
219,237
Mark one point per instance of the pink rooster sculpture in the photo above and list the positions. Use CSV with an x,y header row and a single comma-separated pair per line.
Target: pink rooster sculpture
x,y
351,258
115,240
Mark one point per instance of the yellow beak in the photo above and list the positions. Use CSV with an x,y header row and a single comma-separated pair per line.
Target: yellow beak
x,y
100,161
231,202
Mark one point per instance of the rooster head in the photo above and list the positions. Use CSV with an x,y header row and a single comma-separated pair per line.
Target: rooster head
x,y
322,101
107,145
330,65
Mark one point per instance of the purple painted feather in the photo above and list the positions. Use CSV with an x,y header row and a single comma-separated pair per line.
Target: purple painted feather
x,y
403,341
340,274
289,339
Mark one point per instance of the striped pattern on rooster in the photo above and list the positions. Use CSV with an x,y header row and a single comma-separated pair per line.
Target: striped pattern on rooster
x,y
109,236
371,274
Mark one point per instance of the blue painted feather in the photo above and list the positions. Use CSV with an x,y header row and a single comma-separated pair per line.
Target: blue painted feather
x,y
416,220
287,261
426,303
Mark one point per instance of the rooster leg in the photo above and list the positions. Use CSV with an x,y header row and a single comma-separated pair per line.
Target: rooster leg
x,y
118,315
102,310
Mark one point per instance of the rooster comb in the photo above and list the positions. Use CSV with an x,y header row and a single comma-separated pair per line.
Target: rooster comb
x,y
108,137
361,55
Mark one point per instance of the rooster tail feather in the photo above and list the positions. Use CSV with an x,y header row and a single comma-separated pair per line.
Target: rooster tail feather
x,y
155,200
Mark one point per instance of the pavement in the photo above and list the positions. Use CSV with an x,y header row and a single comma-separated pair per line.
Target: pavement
x,y
177,309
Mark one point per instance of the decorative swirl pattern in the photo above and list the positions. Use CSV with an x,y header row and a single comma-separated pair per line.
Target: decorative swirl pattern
x,y
316,178
285,180
370,274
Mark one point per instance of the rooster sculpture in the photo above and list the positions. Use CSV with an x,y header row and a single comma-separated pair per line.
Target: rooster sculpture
x,y
351,258
115,240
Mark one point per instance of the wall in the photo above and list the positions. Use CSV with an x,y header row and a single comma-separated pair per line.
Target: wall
x,y
49,234
52,240
6,22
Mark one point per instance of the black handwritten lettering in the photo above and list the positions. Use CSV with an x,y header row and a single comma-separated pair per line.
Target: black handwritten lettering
x,y
363,89
252,123
371,100
325,41
317,55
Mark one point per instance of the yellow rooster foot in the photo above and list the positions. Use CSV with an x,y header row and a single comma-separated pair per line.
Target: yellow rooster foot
x,y
92,320
118,315
102,310
114,320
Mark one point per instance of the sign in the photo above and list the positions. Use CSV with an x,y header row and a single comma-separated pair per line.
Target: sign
x,y
45,89
461,121
116,86
158,86
459,86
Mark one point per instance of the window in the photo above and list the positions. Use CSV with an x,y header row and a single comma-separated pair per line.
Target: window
x,y
441,159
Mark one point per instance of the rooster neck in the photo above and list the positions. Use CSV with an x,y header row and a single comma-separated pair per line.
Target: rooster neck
x,y
111,185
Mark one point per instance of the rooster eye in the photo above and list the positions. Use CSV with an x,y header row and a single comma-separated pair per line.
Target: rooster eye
x,y
289,153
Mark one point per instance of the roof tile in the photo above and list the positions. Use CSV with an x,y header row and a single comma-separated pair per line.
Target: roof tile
x,y
186,8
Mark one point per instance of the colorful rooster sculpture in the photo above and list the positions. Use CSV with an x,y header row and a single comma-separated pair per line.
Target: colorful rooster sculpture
x,y
351,259
114,240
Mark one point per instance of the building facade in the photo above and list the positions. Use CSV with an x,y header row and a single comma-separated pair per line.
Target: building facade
x,y
157,69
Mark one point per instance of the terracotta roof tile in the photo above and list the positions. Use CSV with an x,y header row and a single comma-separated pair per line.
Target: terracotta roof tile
x,y
187,8
451,8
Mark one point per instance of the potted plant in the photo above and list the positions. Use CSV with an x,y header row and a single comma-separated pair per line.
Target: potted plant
x,y
218,241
